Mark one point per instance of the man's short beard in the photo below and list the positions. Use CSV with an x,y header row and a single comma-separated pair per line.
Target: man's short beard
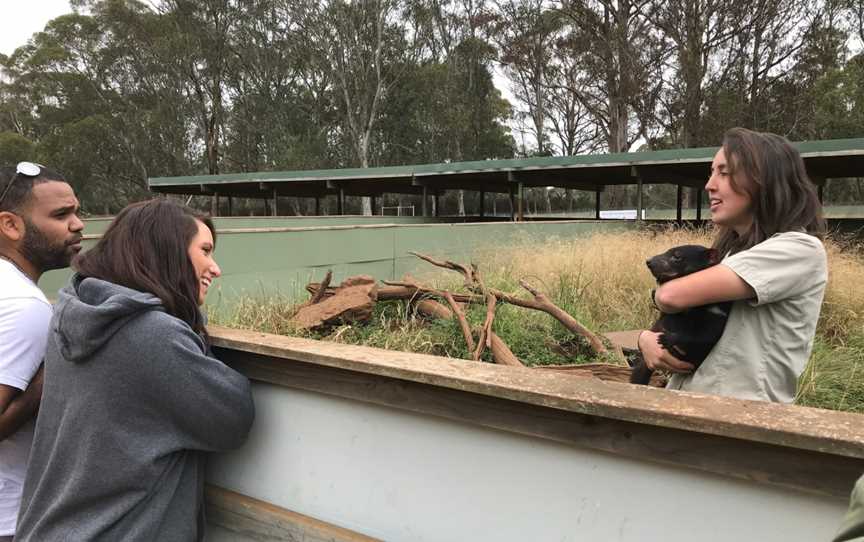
x,y
39,251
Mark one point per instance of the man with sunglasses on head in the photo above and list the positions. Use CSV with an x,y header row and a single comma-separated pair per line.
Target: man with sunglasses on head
x,y
39,231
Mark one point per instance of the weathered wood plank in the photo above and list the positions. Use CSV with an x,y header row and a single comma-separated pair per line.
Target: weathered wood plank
x,y
624,339
259,520
802,470
837,433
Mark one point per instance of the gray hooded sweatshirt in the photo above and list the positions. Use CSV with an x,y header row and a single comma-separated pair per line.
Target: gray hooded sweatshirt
x,y
131,403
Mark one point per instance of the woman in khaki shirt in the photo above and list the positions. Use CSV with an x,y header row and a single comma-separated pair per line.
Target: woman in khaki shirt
x,y
770,226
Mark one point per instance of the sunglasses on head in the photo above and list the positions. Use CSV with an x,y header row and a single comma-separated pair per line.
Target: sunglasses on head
x,y
27,169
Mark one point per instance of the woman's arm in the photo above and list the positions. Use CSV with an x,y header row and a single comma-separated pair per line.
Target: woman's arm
x,y
216,410
712,285
715,284
199,401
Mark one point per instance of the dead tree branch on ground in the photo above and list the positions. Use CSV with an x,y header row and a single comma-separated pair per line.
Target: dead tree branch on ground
x,y
485,340
322,288
463,322
542,303
471,281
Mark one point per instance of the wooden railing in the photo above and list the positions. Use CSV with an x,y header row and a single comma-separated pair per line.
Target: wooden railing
x,y
809,450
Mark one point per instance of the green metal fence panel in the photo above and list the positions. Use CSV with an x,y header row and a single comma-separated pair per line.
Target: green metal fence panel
x,y
281,261
241,222
97,226
467,241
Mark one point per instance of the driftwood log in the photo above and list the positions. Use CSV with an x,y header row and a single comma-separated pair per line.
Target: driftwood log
x,y
397,290
501,353
322,288
485,340
463,322
540,302
352,301
409,289
471,281
433,309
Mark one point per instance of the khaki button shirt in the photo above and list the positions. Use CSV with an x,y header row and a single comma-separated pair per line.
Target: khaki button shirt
x,y
767,340
852,529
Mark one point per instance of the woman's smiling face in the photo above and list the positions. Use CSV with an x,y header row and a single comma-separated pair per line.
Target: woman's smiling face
x,y
201,256
729,208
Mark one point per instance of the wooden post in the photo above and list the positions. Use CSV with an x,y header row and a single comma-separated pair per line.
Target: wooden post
x,y
634,172
520,214
425,201
341,204
698,204
317,205
679,205
436,205
275,203
372,202
517,213
482,203
597,204
214,205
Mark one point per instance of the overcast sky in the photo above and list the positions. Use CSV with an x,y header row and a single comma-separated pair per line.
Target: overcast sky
x,y
20,19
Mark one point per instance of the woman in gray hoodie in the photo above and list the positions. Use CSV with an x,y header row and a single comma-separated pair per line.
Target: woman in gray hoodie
x,y
133,399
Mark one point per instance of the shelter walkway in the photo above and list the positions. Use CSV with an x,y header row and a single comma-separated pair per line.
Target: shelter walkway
x,y
838,158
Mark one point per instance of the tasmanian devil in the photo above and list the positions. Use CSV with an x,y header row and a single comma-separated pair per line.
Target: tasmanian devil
x,y
688,335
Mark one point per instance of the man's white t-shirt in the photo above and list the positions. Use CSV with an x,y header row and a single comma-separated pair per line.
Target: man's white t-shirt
x,y
25,315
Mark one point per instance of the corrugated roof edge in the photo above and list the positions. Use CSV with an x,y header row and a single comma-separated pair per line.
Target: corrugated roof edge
x,y
827,147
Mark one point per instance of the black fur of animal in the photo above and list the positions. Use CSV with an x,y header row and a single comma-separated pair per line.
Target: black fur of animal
x,y
688,335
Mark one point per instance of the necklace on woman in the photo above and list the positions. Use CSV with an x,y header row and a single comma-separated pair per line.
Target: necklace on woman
x,y
16,266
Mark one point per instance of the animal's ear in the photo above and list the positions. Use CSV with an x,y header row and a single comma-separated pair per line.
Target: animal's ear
x,y
713,255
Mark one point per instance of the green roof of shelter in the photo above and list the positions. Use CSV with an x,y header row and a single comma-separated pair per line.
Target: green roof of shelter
x,y
824,159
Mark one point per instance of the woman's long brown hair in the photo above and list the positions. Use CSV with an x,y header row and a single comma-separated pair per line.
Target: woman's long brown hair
x,y
770,170
146,248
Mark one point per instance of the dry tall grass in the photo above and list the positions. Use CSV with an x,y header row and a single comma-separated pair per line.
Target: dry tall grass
x,y
603,282
842,314
604,275
608,279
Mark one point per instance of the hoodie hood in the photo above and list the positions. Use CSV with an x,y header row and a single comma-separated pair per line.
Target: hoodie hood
x,y
90,311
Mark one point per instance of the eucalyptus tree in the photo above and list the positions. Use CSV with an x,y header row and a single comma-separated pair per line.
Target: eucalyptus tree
x,y
622,59
696,29
755,63
81,106
571,122
282,107
525,33
364,47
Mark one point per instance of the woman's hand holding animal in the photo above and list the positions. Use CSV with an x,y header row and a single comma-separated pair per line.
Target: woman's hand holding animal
x,y
658,358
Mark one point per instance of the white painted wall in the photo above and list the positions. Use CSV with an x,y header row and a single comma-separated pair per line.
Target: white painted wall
x,y
405,477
